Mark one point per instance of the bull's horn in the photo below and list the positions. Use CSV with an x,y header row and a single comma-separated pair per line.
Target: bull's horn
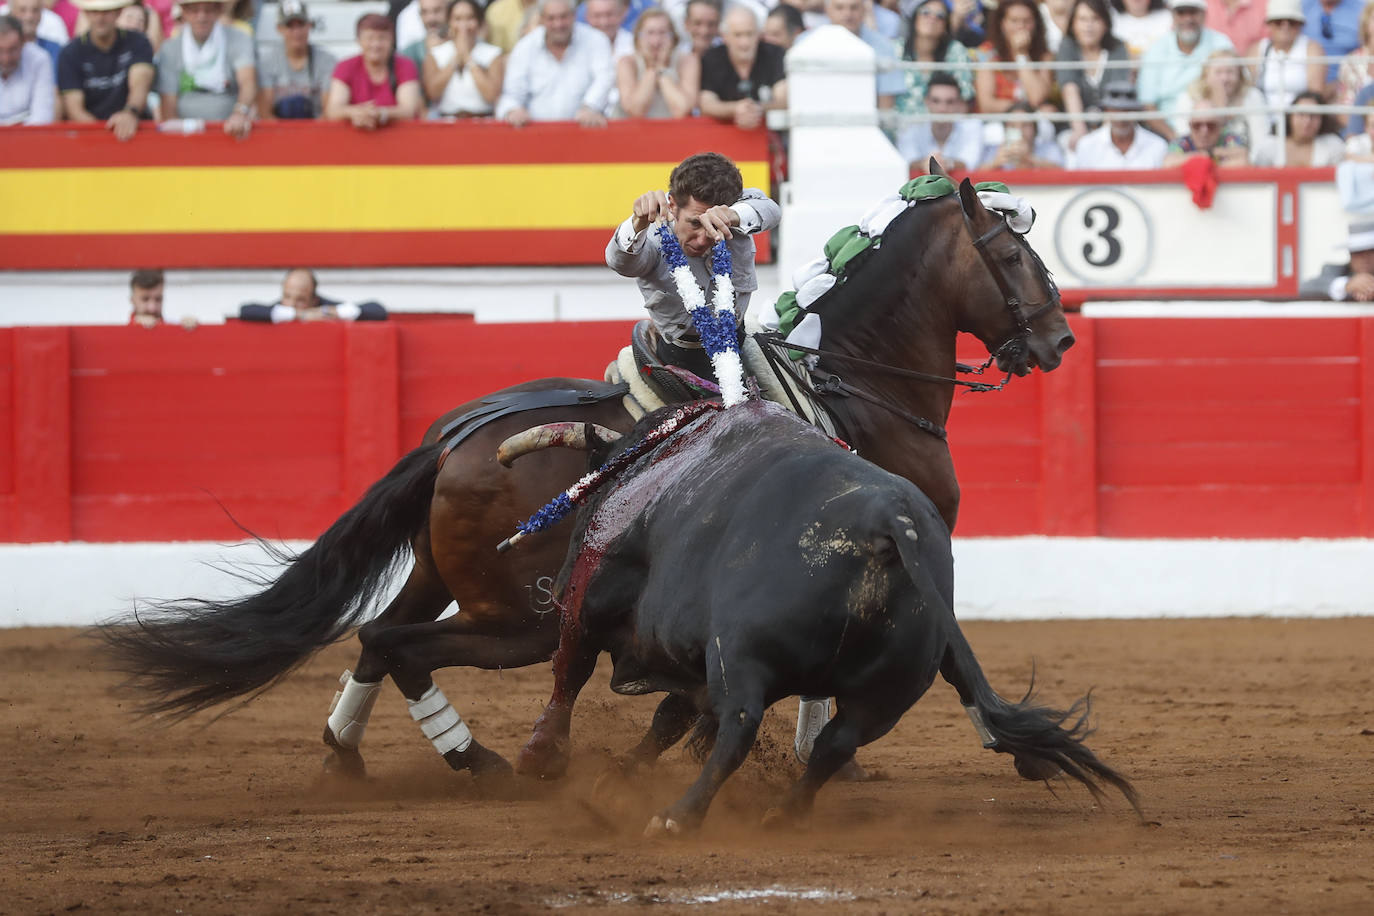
x,y
562,435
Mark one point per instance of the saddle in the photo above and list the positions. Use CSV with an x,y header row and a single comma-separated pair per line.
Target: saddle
x,y
653,385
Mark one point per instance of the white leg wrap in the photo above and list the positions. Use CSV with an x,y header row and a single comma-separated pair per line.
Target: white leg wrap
x,y
812,715
440,722
980,726
351,709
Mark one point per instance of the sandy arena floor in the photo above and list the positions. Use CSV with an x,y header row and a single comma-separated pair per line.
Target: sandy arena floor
x,y
1251,742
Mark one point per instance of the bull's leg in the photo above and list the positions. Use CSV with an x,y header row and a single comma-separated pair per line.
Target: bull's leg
x,y
673,718
423,598
546,753
411,654
1032,769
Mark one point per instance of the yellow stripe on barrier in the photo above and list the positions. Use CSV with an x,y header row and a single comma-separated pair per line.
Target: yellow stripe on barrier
x,y
116,201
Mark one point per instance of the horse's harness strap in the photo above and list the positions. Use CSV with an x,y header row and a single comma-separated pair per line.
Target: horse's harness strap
x,y
503,405
778,340
836,385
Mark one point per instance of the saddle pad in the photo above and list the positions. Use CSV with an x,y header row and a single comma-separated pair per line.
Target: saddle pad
x,y
775,388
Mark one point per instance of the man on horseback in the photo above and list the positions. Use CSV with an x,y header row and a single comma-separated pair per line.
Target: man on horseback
x,y
706,202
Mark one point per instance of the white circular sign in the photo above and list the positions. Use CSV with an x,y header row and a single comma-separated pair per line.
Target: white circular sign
x,y
1103,237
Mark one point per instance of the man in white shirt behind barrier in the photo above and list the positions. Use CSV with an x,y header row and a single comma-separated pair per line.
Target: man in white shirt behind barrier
x,y
1120,145
561,71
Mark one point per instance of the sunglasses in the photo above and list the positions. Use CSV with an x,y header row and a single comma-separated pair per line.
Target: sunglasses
x,y
1286,23
930,12
1198,126
1328,31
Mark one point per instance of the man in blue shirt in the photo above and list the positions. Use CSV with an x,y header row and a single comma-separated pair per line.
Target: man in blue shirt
x,y
850,14
105,75
1335,25
1175,60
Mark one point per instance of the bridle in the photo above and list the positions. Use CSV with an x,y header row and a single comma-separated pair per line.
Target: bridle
x,y
1016,343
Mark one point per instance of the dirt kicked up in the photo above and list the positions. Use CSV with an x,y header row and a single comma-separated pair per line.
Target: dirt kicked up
x,y
1251,743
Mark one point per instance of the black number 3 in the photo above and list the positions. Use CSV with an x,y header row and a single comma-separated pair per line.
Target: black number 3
x,y
1101,219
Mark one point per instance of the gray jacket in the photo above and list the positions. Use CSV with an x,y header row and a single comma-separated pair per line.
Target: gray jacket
x,y
638,256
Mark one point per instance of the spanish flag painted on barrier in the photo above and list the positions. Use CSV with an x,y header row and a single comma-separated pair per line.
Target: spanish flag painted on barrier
x,y
426,194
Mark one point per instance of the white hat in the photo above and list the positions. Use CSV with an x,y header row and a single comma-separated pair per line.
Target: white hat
x,y
94,6
1285,9
1360,235
1187,4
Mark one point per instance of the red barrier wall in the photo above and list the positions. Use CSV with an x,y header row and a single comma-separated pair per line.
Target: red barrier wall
x,y
1261,427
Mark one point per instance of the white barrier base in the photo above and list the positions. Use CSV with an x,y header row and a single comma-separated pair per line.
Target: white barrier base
x,y
1034,578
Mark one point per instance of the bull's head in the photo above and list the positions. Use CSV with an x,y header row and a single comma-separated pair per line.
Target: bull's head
x,y
582,436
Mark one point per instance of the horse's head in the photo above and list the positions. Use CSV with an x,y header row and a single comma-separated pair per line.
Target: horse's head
x,y
1008,300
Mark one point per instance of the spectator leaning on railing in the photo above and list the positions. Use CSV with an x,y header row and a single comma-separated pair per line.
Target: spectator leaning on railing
x,y
1120,145
657,81
28,93
105,75
377,86
208,70
1208,136
1310,141
1175,61
561,71
293,74
464,74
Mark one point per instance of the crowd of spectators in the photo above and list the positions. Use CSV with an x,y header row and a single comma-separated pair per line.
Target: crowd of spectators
x,y
127,64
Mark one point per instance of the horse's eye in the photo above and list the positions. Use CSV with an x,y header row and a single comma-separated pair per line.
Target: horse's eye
x,y
1014,259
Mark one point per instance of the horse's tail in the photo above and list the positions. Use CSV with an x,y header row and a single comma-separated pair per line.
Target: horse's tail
x,y
191,654
1043,740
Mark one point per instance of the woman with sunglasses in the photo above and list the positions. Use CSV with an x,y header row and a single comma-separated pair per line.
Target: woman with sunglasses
x,y
930,39
1285,70
1207,136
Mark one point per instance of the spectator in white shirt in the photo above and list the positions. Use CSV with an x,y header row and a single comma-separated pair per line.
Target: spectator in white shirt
x,y
28,93
560,71
1118,145
956,145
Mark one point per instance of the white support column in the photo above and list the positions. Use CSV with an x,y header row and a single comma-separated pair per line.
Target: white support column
x,y
839,162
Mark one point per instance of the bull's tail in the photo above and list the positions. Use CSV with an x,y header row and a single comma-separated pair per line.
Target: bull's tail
x,y
1043,740
191,654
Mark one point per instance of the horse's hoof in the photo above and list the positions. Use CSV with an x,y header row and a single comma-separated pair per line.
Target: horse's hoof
x,y
1035,769
543,759
853,772
662,826
345,762
486,764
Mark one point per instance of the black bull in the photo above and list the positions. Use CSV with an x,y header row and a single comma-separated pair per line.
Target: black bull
x,y
751,558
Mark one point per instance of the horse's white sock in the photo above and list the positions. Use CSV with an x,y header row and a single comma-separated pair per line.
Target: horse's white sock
x,y
976,717
440,722
812,714
351,709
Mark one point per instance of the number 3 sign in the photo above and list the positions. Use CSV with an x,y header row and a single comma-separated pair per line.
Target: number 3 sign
x,y
1103,237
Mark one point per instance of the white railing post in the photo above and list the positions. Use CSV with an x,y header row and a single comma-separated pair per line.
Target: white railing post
x,y
839,162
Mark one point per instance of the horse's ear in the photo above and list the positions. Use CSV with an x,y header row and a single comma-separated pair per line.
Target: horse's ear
x,y
936,168
968,199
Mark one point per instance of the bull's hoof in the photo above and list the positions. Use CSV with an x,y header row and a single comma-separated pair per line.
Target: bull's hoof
x,y
663,827
853,772
542,759
342,762
1035,769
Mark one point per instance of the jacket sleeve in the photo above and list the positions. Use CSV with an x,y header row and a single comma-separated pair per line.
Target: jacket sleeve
x,y
757,212
631,255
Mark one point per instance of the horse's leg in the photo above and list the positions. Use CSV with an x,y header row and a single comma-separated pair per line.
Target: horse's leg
x,y
422,598
410,655
546,753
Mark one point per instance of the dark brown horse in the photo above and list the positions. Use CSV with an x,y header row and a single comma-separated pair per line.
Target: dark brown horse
x,y
947,265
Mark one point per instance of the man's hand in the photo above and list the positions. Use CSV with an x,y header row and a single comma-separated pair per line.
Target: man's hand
x,y
590,117
650,208
718,222
239,126
1360,287
748,114
519,117
123,123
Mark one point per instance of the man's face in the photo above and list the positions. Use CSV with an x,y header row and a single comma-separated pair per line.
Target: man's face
x,y
200,18
1362,262
11,44
298,291
432,15
691,234
703,24
944,100
295,33
741,34
604,16
1188,25
102,23
557,20
848,13
147,303
28,12
775,32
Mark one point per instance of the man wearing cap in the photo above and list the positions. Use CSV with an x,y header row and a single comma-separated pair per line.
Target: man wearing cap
x,y
293,76
27,93
1119,145
105,74
1175,60
208,70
